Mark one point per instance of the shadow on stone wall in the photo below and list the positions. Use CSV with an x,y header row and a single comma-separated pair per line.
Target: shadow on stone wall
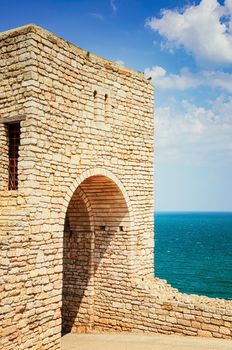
x,y
94,221
80,266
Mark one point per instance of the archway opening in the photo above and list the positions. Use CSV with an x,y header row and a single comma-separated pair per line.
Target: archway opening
x,y
95,241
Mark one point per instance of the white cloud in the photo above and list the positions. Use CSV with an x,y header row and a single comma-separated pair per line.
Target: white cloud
x,y
219,79
204,30
165,81
195,134
185,80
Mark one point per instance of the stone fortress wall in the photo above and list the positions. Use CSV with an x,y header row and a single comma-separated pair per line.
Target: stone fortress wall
x,y
77,241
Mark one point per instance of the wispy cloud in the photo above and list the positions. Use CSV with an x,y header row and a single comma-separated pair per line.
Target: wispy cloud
x,y
113,5
187,80
122,63
204,31
194,134
96,15
166,81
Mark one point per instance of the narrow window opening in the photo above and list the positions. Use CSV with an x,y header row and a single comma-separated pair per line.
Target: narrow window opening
x,y
103,228
14,142
106,106
95,103
67,227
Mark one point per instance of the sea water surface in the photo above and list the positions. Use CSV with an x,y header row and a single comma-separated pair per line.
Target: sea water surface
x,y
193,252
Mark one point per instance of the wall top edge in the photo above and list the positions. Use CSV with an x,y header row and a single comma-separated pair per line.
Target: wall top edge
x,y
62,42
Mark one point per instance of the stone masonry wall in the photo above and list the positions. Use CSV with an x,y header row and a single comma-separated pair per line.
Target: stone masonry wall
x,y
77,241
95,254
85,116
76,265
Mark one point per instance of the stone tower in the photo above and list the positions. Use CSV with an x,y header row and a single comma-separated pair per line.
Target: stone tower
x,y
76,193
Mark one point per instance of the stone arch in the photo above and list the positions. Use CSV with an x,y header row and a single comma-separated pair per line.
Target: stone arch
x,y
87,203
92,172
96,245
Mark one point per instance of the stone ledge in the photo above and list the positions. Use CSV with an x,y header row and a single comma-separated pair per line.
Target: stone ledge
x,y
60,41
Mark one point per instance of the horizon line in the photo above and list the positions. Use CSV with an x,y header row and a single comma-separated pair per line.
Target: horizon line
x,y
193,211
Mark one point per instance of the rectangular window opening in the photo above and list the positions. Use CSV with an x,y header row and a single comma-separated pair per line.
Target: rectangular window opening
x,y
13,153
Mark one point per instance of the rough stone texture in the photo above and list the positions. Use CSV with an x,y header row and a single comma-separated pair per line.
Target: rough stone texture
x,y
77,235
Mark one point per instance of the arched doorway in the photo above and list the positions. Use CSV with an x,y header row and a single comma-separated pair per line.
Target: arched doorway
x,y
96,240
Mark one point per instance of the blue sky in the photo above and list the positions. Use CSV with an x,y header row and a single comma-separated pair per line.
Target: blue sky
x,y
186,48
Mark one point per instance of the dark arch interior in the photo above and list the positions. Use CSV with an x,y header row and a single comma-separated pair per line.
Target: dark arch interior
x,y
95,228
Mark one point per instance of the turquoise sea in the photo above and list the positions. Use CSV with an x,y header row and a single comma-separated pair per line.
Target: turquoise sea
x,y
193,252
